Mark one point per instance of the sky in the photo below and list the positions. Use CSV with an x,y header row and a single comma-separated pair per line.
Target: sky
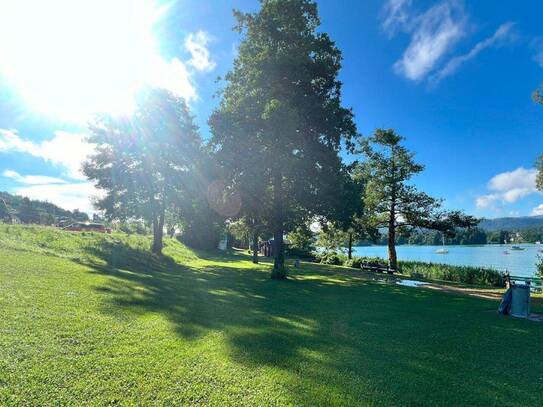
x,y
453,77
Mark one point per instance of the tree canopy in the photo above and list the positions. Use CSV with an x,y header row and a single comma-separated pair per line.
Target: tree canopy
x,y
280,118
145,163
391,201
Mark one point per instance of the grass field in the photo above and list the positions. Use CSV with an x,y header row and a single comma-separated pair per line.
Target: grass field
x,y
94,319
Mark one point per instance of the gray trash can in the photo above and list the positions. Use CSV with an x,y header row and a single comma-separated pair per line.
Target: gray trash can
x,y
520,303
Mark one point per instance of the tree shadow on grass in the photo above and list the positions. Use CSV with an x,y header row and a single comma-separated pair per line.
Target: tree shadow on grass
x,y
333,336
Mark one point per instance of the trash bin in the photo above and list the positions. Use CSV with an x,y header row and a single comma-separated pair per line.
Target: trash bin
x,y
520,303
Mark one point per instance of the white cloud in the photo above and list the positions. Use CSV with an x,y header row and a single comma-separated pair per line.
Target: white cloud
x,y
508,187
538,210
174,77
433,34
68,195
502,34
196,44
32,179
68,150
396,16
537,46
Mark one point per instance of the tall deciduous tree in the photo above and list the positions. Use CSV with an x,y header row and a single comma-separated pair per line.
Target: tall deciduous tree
x,y
281,109
391,202
145,163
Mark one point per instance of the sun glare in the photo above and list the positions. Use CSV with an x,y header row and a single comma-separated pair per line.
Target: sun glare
x,y
73,58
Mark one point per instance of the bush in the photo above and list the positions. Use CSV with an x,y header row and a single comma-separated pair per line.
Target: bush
x,y
355,262
331,258
302,254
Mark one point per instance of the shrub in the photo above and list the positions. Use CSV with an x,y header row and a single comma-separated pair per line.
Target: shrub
x,y
330,258
303,254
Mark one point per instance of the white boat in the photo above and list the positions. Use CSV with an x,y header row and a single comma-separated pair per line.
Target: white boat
x,y
442,250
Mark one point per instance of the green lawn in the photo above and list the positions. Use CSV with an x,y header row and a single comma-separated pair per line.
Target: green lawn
x,y
94,319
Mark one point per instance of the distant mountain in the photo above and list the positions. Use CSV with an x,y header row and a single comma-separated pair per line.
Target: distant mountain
x,y
511,223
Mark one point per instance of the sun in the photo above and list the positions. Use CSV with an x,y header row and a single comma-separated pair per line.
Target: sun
x,y
74,58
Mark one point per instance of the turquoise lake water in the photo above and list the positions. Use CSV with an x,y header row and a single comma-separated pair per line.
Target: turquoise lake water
x,y
520,263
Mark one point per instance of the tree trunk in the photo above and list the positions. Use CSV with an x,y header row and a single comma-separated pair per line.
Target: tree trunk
x,y
255,247
279,272
350,252
392,259
158,232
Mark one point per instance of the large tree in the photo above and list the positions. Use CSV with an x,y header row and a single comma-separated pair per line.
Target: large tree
x,y
281,113
145,163
392,202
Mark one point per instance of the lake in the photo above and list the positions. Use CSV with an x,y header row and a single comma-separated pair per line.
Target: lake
x,y
519,263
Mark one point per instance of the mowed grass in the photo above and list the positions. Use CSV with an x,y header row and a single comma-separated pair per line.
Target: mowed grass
x,y
90,319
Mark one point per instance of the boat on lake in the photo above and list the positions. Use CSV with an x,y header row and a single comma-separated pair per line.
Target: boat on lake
x,y
517,248
442,250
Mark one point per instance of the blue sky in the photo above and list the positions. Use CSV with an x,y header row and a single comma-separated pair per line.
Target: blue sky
x,y
453,77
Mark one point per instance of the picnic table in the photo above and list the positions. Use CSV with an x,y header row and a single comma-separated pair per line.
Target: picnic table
x,y
377,267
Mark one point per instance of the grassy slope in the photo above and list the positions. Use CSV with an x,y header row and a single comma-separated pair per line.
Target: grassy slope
x,y
94,319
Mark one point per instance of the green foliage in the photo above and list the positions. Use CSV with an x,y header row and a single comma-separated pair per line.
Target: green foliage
x,y
147,164
4,211
303,254
302,238
539,177
35,211
538,95
331,257
460,274
133,227
280,122
332,238
355,262
390,199
202,227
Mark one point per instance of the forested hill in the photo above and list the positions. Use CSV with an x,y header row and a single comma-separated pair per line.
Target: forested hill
x,y
511,223
35,211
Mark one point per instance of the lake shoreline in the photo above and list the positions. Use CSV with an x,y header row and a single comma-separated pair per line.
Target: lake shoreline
x,y
499,257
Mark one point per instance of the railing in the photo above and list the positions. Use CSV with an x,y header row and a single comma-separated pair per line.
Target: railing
x,y
535,283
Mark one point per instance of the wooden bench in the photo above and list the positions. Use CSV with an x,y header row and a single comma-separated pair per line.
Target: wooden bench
x,y
535,283
378,268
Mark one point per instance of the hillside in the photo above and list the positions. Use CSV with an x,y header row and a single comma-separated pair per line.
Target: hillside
x,y
94,319
511,223
36,211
